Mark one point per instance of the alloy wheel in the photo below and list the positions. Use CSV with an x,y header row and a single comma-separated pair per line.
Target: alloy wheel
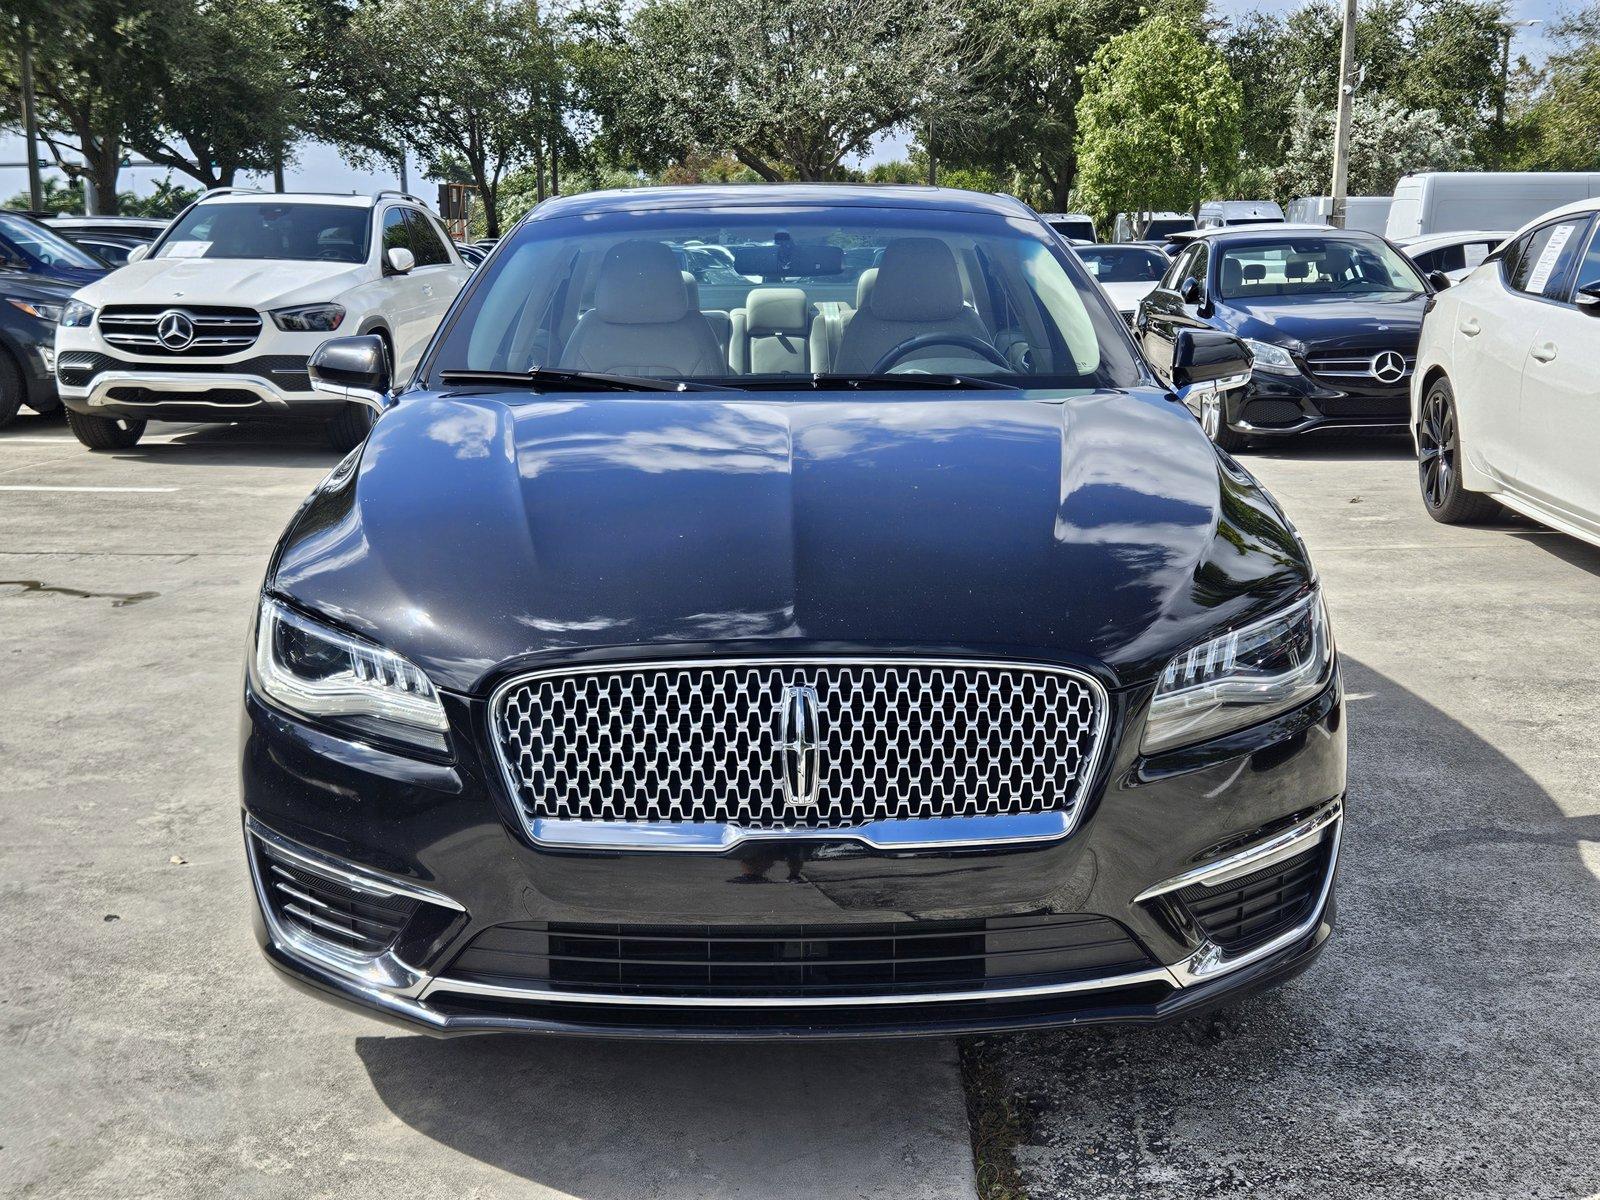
x,y
1436,450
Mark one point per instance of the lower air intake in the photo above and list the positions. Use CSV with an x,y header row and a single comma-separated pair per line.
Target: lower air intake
x,y
1244,913
334,911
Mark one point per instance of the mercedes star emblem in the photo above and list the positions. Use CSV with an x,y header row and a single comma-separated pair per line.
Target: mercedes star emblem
x,y
175,330
1388,367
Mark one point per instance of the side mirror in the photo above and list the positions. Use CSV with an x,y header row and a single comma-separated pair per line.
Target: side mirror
x,y
1206,361
1437,280
355,369
1588,298
1189,290
139,253
400,260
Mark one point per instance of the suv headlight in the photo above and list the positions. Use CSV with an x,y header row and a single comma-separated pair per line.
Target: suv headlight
x,y
326,674
1272,358
77,314
39,309
308,318
1242,677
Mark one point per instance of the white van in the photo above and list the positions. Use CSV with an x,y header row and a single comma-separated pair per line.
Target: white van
x,y
1157,226
1215,214
1370,214
1442,201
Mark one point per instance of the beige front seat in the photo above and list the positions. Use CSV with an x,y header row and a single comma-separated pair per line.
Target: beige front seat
x,y
917,290
642,322
721,322
771,333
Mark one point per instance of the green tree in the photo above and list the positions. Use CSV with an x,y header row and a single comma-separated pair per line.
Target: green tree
x,y
1386,142
467,85
230,98
1555,127
790,88
1144,144
1016,113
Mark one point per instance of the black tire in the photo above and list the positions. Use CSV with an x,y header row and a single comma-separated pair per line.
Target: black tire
x,y
1439,463
350,428
104,433
12,390
1214,420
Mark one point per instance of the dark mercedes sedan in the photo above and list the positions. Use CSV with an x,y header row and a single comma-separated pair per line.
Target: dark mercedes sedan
x,y
1331,316
847,636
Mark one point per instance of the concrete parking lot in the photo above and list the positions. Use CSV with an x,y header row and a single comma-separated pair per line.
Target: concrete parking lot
x,y
1446,1045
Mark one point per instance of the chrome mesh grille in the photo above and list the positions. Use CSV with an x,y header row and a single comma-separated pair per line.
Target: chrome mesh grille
x,y
701,742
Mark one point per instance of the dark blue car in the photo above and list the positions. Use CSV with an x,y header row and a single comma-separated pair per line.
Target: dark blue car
x,y
39,271
768,644
1331,317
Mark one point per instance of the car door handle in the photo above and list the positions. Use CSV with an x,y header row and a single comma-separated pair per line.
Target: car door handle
x,y
1544,351
1470,327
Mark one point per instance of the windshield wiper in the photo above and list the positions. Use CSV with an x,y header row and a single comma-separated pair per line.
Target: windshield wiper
x,y
905,381
579,381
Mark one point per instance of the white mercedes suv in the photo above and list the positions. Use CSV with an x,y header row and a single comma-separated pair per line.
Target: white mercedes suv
x,y
215,321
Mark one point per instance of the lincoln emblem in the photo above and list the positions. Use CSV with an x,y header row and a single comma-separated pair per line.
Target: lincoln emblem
x,y
800,745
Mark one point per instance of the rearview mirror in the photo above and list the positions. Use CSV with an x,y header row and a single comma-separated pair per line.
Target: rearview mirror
x,y
1588,297
139,253
400,260
1437,280
355,369
1207,360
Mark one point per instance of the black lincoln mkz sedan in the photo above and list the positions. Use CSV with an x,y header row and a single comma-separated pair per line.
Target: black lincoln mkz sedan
x,y
1332,318
853,638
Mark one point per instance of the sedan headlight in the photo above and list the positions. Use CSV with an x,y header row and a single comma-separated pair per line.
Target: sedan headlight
x,y
328,675
309,318
77,315
1242,677
38,308
1271,358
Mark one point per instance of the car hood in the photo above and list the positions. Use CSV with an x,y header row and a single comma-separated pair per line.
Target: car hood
x,y
1319,320
1103,530
1126,296
37,287
251,283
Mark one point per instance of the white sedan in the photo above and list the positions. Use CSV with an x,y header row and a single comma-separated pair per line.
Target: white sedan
x,y
1127,272
1505,400
1455,254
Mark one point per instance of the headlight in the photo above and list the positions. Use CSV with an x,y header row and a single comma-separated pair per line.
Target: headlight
x,y
1242,677
329,675
37,308
1272,358
309,318
77,314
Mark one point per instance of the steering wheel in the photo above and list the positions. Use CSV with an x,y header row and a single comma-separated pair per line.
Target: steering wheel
x,y
923,340
330,254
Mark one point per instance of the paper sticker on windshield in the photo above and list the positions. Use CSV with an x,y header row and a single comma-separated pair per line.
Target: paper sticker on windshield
x,y
187,249
1547,260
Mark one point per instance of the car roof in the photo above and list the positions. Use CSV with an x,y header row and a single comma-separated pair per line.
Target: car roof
x,y
1149,246
1261,229
110,223
1432,241
777,195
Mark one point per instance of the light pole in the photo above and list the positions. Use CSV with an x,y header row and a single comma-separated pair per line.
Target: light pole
x,y
1341,127
1509,29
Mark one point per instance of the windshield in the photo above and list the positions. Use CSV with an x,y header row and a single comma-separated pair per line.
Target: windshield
x,y
302,232
761,296
1161,227
1077,229
1123,264
1316,266
43,246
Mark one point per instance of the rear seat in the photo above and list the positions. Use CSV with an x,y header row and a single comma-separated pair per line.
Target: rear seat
x,y
721,322
771,333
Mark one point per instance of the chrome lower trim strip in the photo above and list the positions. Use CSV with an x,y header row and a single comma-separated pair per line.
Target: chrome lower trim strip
x,y
362,881
537,995
713,837
183,388
1279,846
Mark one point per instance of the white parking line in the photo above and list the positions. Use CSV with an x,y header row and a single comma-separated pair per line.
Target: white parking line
x,y
39,487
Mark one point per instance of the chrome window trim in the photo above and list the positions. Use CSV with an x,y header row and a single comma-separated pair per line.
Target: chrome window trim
x,y
715,837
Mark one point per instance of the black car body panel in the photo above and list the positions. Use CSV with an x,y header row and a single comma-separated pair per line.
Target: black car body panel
x,y
1334,340
28,340
485,532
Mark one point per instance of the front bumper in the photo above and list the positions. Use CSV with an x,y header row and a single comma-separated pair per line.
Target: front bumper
x,y
442,838
1281,405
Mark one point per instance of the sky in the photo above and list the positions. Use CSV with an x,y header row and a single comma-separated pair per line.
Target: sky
x,y
320,168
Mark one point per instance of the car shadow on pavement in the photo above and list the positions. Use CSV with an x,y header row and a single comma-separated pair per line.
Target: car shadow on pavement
x,y
1446,1043
1570,550
247,444
604,1118
1332,448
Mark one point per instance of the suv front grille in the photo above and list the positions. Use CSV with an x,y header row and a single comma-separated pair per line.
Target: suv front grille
x,y
366,922
1244,913
702,742
800,960
216,330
